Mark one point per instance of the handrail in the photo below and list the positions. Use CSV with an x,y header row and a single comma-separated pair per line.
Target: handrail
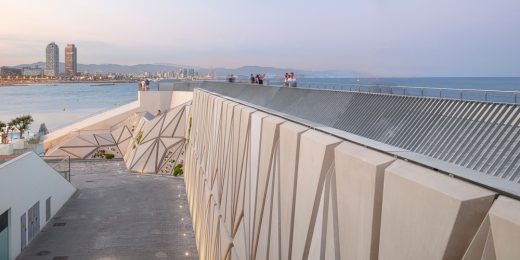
x,y
466,94
411,87
60,164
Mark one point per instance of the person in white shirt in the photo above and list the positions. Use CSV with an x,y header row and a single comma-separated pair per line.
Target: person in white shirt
x,y
293,80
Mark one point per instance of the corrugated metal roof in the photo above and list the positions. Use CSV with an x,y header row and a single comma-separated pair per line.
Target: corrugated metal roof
x,y
480,137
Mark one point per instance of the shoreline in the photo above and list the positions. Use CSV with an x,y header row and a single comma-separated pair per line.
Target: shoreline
x,y
31,83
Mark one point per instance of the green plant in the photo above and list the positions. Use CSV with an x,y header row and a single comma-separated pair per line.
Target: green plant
x,y
2,125
109,156
139,137
22,123
189,132
177,170
10,126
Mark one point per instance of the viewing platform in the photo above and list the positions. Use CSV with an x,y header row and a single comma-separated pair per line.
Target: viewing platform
x,y
478,141
290,173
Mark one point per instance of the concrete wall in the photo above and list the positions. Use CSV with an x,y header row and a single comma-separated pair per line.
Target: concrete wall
x,y
160,146
261,187
110,121
24,181
102,121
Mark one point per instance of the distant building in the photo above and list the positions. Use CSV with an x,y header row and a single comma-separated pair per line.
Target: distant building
x,y
187,73
52,68
71,60
32,72
10,72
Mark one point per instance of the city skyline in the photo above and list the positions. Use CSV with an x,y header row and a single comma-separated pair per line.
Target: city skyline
x,y
401,38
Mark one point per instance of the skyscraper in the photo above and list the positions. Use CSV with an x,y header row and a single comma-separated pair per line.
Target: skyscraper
x,y
52,67
71,60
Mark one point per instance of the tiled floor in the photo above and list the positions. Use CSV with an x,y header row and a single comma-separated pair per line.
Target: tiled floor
x,y
118,215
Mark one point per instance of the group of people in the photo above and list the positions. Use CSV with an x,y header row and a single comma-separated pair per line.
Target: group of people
x,y
290,80
144,85
258,79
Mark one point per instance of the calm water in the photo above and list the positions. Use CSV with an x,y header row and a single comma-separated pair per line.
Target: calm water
x,y
61,104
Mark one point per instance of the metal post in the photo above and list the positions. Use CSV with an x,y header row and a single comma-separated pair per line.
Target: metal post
x,y
515,98
69,167
461,95
485,98
422,92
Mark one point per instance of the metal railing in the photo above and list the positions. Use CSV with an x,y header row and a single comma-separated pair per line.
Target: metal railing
x,y
486,95
28,147
466,94
60,164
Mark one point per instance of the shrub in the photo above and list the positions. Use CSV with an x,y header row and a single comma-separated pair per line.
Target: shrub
x,y
139,137
109,156
177,170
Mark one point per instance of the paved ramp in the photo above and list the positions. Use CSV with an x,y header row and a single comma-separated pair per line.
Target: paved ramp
x,y
118,215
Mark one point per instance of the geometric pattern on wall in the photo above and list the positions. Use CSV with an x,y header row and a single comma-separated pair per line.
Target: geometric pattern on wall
x,y
499,234
90,145
237,155
157,145
260,187
84,144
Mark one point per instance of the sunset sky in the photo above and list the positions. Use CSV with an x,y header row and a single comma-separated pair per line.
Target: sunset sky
x,y
379,37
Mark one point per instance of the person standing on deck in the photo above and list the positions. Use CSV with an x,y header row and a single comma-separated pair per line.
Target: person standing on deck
x,y
293,80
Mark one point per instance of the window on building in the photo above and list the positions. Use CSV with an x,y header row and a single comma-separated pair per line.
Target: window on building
x,y
4,221
48,209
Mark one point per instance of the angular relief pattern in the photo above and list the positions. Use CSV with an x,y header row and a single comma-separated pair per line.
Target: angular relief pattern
x,y
148,144
93,145
260,187
241,170
157,145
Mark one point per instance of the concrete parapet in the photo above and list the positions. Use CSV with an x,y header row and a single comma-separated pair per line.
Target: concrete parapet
x,y
427,215
499,235
359,184
263,187
6,149
313,191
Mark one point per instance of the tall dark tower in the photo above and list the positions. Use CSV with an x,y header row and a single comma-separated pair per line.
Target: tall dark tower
x,y
71,60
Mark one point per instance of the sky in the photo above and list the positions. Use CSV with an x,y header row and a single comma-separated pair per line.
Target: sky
x,y
401,38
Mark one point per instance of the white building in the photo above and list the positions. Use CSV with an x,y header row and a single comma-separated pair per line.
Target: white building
x,y
31,193
52,68
32,72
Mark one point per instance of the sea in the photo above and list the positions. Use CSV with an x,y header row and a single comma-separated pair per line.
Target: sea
x,y
58,105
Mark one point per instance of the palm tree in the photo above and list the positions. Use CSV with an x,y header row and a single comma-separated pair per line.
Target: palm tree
x,y
22,123
2,125
10,126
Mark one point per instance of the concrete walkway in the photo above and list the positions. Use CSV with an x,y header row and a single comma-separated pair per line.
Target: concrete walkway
x,y
118,215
